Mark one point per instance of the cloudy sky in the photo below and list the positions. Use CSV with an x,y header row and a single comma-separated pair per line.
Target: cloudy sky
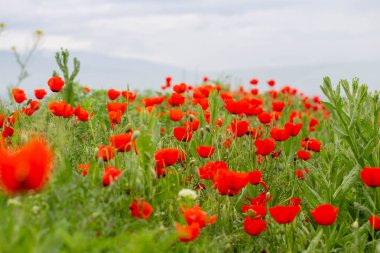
x,y
207,36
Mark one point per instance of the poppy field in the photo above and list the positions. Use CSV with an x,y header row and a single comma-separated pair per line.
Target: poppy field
x,y
189,168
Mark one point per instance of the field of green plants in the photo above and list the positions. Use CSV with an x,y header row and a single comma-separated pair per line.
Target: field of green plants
x,y
191,168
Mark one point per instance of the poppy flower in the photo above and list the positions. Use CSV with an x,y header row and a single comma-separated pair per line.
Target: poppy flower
x,y
284,214
122,142
371,176
374,221
39,93
313,145
110,175
237,107
230,182
264,147
106,153
209,170
113,94
254,226
278,106
294,201
115,117
129,96
86,90
325,214
197,215
205,151
192,124
26,168
84,168
7,132
254,177
303,155
293,129
265,117
81,114
261,199
271,82
169,156
188,233
176,99
180,88
254,81
176,115
279,134
115,107
301,173
2,119
239,127
56,83
152,101
141,209
183,133
34,105
61,109
28,111
254,211
19,95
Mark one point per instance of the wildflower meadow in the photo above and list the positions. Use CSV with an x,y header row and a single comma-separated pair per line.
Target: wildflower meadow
x,y
189,167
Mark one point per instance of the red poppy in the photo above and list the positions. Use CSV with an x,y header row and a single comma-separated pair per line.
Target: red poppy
x,y
141,209
2,119
152,101
34,105
239,127
293,129
183,133
84,168
86,90
254,177
209,170
129,96
176,115
278,106
301,173
279,134
304,155
261,199
371,176
19,95
205,151
375,222
7,132
61,109
110,175
325,214
237,107
81,114
169,156
284,214
106,153
113,94
176,99
122,142
254,226
294,201
28,111
115,107
254,81
271,82
39,93
193,124
180,88
230,182
115,117
187,233
254,211
313,145
264,147
197,215
55,84
265,117
27,168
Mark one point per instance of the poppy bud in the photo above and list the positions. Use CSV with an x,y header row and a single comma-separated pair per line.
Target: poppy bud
x,y
135,135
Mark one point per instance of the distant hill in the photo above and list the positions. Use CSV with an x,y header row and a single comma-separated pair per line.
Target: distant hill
x,y
99,71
